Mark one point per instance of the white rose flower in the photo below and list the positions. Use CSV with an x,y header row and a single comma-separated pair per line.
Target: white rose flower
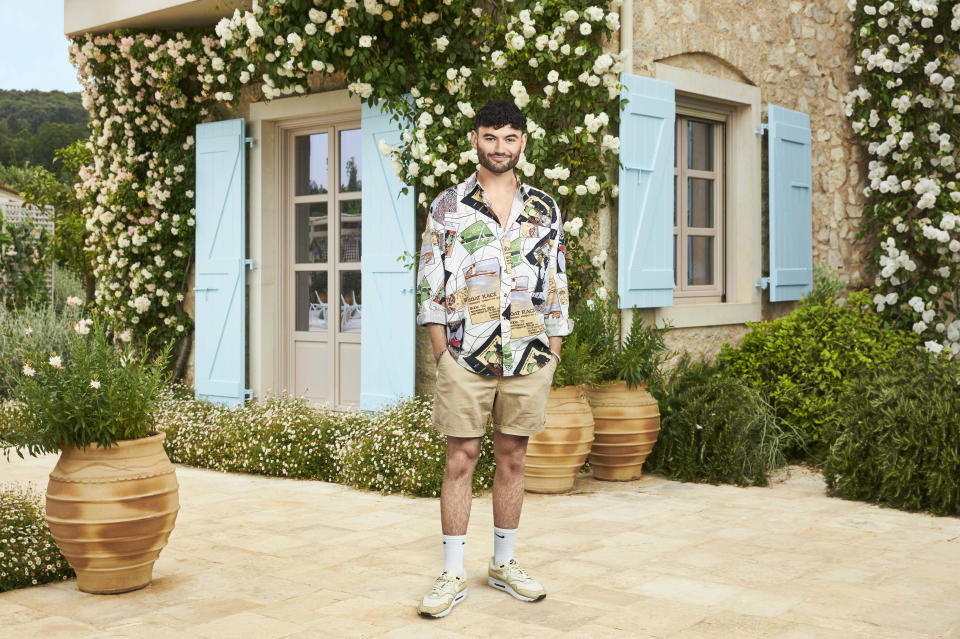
x,y
430,18
581,189
602,293
365,41
563,190
553,75
571,16
585,28
933,346
441,43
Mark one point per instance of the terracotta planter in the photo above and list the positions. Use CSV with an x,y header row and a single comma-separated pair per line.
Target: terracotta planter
x,y
555,456
627,423
111,511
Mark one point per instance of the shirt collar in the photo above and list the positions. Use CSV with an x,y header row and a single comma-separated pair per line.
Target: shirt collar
x,y
472,181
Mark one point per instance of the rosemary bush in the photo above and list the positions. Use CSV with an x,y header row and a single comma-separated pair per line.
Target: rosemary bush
x,y
898,436
715,428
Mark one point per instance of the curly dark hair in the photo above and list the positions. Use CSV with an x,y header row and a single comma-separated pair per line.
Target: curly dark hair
x,y
500,113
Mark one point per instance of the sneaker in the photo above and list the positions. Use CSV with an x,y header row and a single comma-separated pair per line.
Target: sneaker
x,y
447,591
510,577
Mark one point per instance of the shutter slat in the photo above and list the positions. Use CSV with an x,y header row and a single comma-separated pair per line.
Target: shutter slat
x,y
387,340
220,283
645,227
791,231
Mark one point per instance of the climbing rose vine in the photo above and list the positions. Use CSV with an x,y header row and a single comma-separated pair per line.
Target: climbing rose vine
x,y
431,64
906,110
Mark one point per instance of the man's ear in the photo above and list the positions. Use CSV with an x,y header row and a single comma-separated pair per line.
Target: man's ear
x,y
523,142
473,139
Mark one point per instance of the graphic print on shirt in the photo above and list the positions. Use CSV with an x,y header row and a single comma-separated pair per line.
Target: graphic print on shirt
x,y
524,320
483,291
474,260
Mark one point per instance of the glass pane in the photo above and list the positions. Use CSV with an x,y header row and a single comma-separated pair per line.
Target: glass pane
x,y
699,145
310,164
350,231
311,234
700,203
350,301
350,160
699,261
311,311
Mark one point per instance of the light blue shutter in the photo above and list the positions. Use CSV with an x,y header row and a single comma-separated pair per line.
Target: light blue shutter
x,y
645,256
387,340
791,233
219,341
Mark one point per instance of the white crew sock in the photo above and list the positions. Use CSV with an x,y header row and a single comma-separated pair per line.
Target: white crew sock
x,y
453,554
503,542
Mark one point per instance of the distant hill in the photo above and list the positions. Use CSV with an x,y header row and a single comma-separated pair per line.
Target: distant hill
x,y
34,124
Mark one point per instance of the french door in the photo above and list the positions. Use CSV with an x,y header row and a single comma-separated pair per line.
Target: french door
x,y
323,297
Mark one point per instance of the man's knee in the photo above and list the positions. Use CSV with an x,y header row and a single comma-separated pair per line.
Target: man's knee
x,y
511,454
462,456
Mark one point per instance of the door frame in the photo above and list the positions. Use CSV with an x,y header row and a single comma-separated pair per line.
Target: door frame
x,y
338,121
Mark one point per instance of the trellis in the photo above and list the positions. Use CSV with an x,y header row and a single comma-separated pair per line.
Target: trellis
x,y
17,213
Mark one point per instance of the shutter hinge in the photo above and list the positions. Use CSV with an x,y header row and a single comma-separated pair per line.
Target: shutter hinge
x,y
763,127
251,142
248,392
250,265
763,283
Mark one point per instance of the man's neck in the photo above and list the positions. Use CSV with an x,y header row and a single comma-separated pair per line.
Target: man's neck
x,y
497,182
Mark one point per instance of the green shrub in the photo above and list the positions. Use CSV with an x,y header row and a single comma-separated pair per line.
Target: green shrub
x,y
66,285
715,428
390,450
28,554
898,436
827,285
801,362
37,325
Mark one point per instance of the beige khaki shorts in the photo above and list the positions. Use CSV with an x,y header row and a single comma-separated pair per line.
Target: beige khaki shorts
x,y
463,400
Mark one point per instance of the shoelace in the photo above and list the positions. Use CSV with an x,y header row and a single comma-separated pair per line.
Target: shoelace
x,y
519,571
441,583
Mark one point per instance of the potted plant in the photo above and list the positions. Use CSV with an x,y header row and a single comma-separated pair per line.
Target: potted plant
x,y
626,415
112,498
555,456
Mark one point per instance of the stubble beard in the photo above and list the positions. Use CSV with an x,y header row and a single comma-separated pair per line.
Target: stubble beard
x,y
497,167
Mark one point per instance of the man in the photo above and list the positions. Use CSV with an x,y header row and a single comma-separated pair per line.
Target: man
x,y
492,292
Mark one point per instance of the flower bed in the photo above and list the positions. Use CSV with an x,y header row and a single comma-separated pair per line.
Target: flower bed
x,y
28,554
391,450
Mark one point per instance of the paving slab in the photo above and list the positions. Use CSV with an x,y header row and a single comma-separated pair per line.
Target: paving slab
x,y
265,558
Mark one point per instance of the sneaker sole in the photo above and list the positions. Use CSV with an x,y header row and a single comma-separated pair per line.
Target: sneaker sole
x,y
460,596
504,586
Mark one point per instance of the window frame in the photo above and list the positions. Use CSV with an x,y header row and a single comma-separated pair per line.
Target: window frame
x,y
692,293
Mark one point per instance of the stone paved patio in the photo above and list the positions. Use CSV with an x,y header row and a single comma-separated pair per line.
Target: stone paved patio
x,y
261,557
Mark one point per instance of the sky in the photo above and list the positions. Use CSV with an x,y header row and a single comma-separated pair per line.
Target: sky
x,y
33,49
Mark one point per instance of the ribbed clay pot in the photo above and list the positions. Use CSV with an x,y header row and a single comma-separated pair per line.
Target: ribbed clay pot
x,y
555,455
111,510
627,422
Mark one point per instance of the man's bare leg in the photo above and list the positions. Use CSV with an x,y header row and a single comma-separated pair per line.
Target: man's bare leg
x,y
456,493
510,453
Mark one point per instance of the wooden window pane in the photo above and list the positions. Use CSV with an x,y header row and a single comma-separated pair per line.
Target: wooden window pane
x,y
350,231
350,161
699,261
700,203
350,301
699,145
311,233
311,308
311,154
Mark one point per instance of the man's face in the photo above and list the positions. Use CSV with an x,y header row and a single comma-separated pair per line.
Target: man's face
x,y
498,149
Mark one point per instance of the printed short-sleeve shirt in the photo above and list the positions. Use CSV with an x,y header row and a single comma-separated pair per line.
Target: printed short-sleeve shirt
x,y
500,291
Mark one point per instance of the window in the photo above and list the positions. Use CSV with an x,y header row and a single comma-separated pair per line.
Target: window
x,y
698,215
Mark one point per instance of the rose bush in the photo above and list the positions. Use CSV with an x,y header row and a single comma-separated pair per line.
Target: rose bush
x,y
905,110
